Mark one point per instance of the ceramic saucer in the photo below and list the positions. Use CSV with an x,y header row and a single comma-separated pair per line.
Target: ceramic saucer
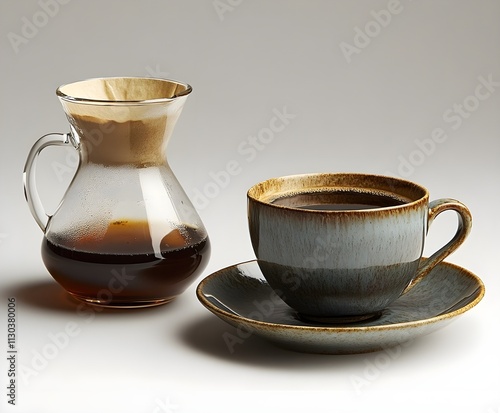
x,y
241,296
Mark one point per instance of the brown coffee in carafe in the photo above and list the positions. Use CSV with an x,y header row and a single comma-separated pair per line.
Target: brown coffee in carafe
x,y
121,268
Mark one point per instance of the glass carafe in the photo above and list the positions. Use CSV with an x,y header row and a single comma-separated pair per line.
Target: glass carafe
x,y
125,234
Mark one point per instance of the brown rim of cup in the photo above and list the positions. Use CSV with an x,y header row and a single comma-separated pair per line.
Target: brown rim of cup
x,y
415,193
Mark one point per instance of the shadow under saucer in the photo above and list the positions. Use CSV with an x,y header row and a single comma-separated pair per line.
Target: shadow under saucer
x,y
211,336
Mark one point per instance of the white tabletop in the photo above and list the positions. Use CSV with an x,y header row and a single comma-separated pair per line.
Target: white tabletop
x,y
405,88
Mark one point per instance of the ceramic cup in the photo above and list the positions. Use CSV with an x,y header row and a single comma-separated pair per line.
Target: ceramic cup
x,y
340,248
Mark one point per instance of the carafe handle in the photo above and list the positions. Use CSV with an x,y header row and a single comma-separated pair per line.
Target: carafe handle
x,y
29,175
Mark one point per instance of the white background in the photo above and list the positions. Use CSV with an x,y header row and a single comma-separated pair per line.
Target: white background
x,y
371,110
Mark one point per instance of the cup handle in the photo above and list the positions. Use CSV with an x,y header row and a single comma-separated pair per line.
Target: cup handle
x,y
464,227
29,175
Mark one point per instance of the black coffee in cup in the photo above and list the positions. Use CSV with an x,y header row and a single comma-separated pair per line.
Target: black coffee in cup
x,y
339,200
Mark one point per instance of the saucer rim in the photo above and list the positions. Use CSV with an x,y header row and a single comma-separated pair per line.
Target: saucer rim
x,y
342,329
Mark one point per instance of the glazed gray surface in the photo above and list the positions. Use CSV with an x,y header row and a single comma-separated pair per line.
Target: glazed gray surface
x,y
330,263
241,296
351,291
